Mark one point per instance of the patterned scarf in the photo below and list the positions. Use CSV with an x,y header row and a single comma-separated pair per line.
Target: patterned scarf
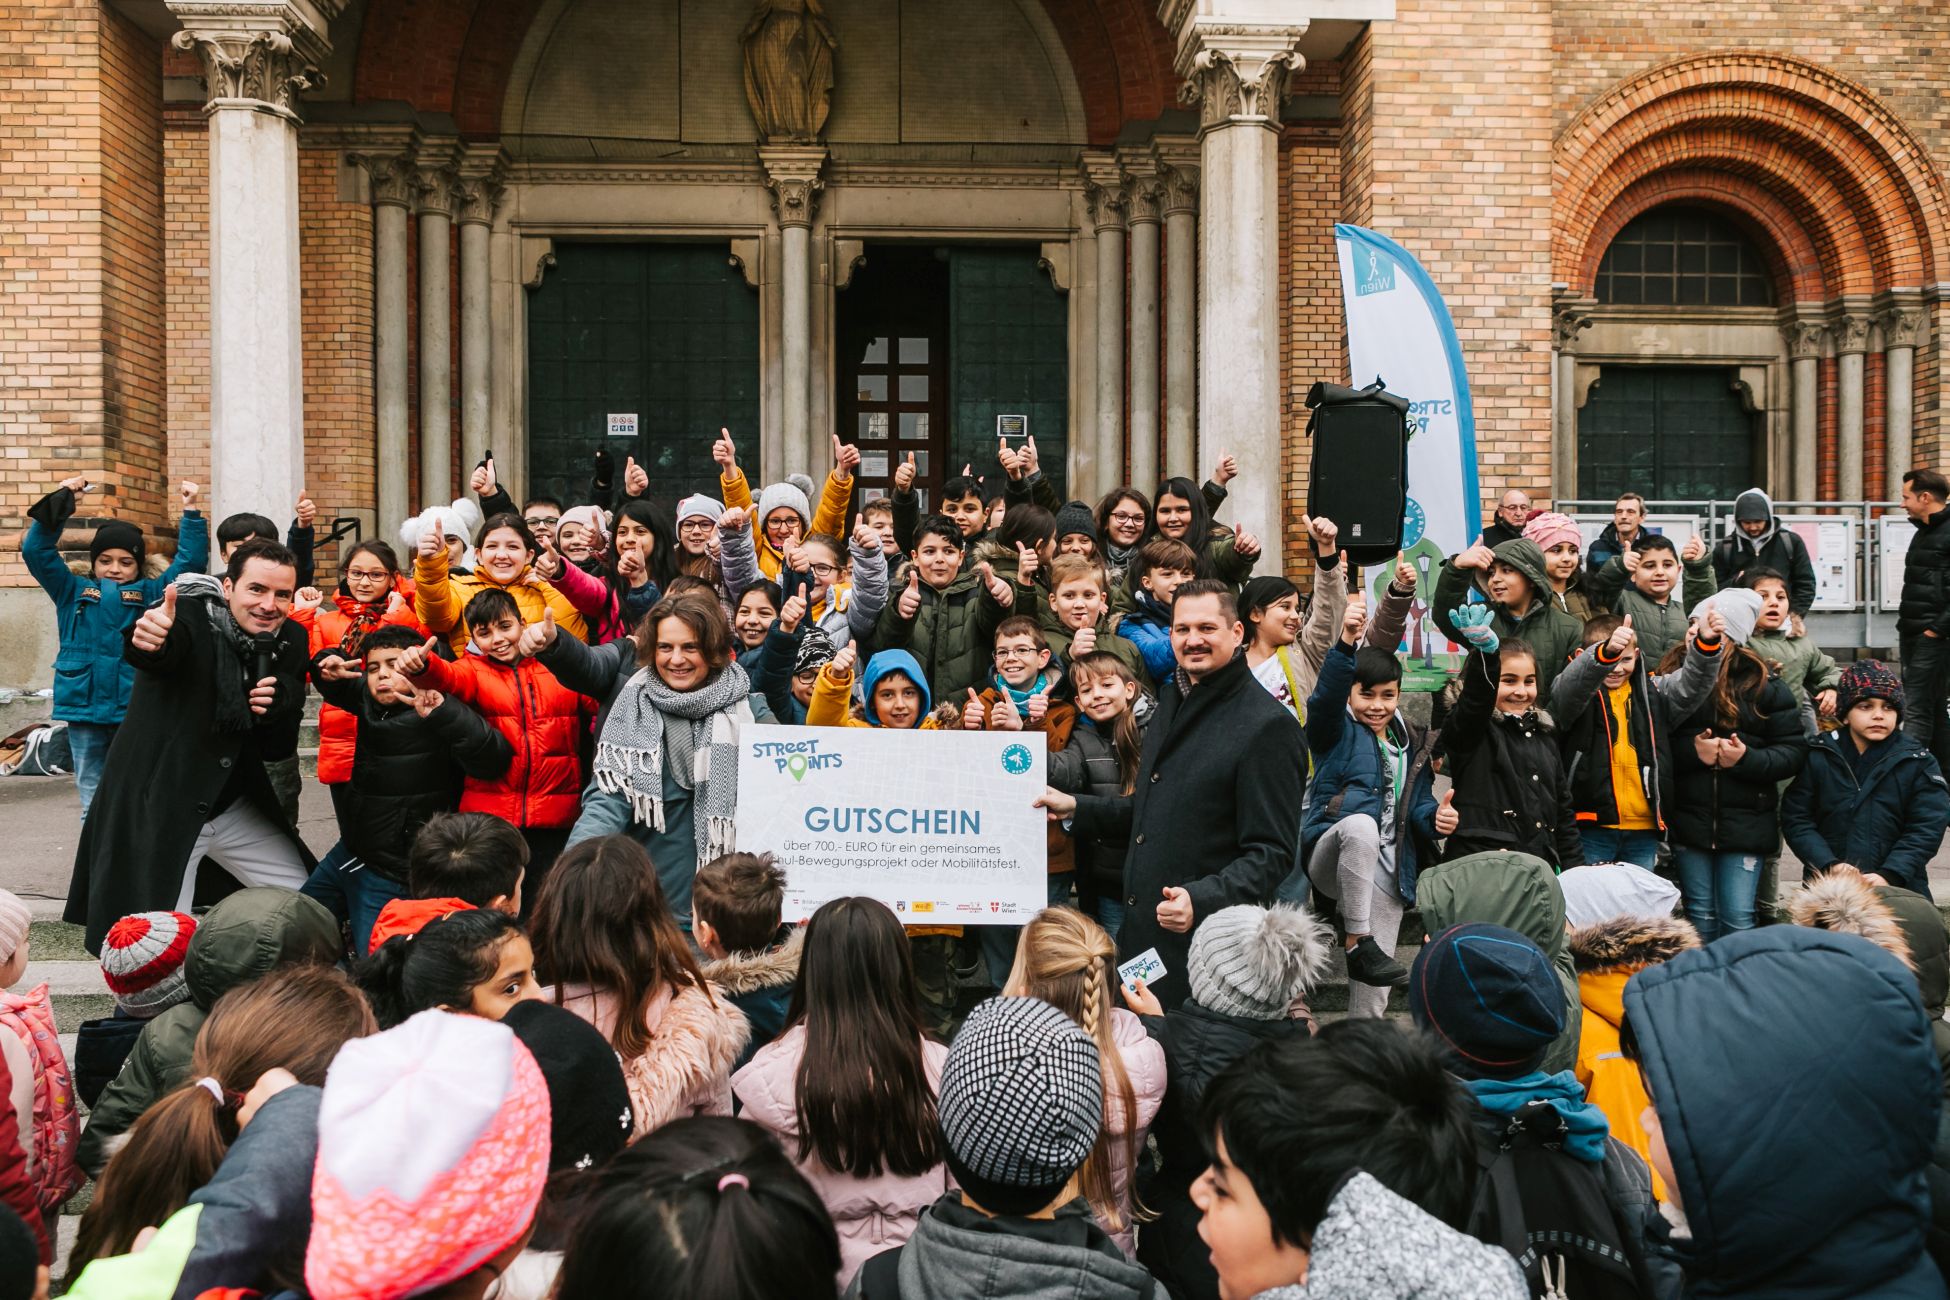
x,y
233,695
360,619
698,732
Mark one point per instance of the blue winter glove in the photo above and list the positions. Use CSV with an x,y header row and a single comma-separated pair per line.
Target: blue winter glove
x,y
1473,625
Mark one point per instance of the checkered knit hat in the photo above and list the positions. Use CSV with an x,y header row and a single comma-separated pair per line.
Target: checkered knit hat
x,y
1868,679
142,961
1022,1099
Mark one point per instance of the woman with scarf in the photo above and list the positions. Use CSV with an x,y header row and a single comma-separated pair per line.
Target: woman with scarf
x,y
666,770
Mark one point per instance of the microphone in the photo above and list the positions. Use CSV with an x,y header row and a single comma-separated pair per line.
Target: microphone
x,y
264,662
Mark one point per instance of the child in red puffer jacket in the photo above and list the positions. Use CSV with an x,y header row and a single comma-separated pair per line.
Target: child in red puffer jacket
x,y
367,597
545,721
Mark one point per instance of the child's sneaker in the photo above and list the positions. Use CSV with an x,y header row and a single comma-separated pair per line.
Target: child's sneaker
x,y
1368,964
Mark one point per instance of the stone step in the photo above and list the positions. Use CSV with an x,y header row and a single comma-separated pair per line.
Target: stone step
x,y
66,978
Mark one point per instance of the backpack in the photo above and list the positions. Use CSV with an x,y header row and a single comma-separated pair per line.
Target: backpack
x,y
1554,1213
57,1119
38,749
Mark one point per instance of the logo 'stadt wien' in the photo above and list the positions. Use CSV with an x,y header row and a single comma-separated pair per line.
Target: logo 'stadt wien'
x,y
1377,276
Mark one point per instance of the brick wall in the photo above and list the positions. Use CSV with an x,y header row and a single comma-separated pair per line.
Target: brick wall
x,y
186,237
51,408
1311,327
134,350
1448,151
335,259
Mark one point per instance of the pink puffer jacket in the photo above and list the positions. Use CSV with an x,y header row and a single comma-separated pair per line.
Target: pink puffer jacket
x,y
871,1214
1144,1062
57,1124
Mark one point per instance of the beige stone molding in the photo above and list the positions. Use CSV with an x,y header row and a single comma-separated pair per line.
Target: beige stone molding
x,y
481,179
792,173
256,56
394,177
1903,319
436,181
1178,158
849,255
1852,334
537,257
748,256
1570,317
1055,257
1103,190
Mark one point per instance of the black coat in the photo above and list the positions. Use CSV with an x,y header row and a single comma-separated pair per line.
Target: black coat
x,y
405,769
1511,787
168,768
1198,1044
1216,811
1088,765
1736,809
1887,816
1498,533
1784,552
1926,579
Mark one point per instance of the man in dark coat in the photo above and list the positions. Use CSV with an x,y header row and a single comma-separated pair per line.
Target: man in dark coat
x,y
1757,540
1506,525
1215,816
1627,522
220,685
1923,618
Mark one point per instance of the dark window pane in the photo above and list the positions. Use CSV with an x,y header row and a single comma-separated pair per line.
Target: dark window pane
x,y
1683,256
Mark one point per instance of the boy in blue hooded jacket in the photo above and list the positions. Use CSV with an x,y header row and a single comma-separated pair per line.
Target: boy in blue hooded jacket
x,y
91,679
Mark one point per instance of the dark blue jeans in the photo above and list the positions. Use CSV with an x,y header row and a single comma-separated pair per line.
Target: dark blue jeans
x,y
354,892
1609,844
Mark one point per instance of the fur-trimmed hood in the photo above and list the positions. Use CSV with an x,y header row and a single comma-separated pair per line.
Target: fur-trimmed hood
x,y
740,973
695,1037
1845,902
1628,942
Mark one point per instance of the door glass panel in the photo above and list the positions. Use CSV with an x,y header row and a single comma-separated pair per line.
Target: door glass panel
x,y
1671,432
873,388
873,425
914,352
1009,343
876,353
914,388
914,425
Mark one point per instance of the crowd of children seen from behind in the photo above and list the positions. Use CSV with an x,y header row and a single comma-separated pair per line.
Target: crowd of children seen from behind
x,y
538,1026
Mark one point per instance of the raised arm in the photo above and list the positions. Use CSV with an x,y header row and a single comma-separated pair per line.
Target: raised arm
x,y
737,555
435,602
869,581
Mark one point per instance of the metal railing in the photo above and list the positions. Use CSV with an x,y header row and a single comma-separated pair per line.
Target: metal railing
x,y
1868,563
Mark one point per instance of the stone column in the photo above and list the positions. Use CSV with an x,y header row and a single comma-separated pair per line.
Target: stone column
x,y
1144,197
393,180
1238,74
792,174
257,59
1804,339
475,198
437,183
1571,317
1181,312
1851,343
1107,207
1904,325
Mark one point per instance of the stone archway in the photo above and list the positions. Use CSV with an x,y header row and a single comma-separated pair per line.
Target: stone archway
x,y
1851,214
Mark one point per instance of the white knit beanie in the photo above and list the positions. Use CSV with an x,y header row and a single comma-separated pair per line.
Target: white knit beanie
x,y
783,496
1252,961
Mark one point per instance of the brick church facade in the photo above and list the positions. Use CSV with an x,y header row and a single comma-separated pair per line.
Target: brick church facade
x,y
350,246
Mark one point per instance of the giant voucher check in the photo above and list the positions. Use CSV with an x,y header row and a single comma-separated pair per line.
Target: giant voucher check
x,y
939,825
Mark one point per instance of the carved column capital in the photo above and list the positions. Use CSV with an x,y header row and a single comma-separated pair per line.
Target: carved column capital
x,y
1181,188
1904,325
1103,191
434,188
264,71
1144,186
1852,334
1238,73
481,179
792,174
394,178
1804,338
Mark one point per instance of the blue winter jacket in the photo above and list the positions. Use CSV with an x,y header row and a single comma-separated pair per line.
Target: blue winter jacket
x,y
1797,1085
91,680
1148,627
1349,771
1888,818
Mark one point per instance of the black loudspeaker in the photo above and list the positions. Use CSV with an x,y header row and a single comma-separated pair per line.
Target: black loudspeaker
x,y
1359,477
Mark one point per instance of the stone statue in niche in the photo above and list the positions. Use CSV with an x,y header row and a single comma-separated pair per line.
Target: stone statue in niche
x,y
789,69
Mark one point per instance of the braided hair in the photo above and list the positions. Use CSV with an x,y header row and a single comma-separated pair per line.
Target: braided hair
x,y
1068,961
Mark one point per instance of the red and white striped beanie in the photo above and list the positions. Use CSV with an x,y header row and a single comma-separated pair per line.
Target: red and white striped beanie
x,y
142,961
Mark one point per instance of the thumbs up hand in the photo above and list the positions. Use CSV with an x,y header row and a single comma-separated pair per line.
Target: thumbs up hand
x,y
971,712
1026,561
865,537
636,479
999,590
910,601
904,474
1407,577
1039,704
1227,469
1175,913
1622,640
307,510
412,661
1005,716
725,452
1083,643
537,637
431,542
1446,816
152,629
845,458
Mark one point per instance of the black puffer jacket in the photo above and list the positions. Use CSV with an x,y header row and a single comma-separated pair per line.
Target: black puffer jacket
x,y
1736,809
1511,787
1088,765
1926,579
406,768
1588,728
1198,1044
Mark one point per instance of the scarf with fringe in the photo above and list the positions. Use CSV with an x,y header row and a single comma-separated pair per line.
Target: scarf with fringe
x,y
695,734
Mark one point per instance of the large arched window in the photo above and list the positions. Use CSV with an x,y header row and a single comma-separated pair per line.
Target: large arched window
x,y
1683,257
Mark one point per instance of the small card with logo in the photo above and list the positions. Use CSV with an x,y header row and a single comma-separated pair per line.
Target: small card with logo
x,y
1146,966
